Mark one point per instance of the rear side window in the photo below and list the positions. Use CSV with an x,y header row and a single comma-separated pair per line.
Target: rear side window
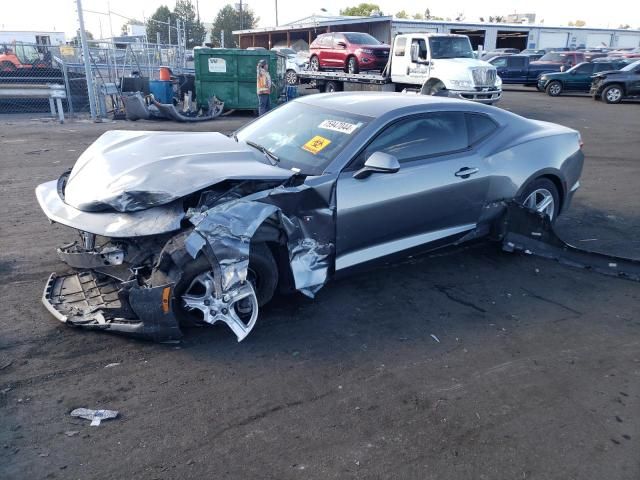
x,y
422,136
401,45
516,62
479,127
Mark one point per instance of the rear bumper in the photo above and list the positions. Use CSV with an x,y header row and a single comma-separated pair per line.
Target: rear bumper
x,y
96,302
489,96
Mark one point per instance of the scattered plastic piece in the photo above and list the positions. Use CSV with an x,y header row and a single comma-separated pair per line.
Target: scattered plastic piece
x,y
435,338
71,433
112,365
96,416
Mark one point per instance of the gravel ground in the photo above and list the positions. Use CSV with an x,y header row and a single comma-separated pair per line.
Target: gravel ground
x,y
534,374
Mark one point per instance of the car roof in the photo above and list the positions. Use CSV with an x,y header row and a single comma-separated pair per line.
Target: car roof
x,y
375,104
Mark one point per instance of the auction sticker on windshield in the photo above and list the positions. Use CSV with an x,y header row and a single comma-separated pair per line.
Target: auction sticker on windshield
x,y
338,126
316,144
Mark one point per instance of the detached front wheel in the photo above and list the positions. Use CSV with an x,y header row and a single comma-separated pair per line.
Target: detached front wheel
x,y
291,77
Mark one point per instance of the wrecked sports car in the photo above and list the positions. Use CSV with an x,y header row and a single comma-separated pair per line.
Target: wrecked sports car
x,y
199,228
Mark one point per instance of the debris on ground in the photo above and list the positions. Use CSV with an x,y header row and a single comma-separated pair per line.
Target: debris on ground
x,y
96,416
6,364
435,338
112,365
71,433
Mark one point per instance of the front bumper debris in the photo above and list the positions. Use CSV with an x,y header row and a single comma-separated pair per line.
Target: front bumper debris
x,y
98,302
532,233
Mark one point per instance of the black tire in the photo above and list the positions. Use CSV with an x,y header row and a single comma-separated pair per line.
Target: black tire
x,y
613,94
263,274
542,184
314,63
331,87
352,65
554,88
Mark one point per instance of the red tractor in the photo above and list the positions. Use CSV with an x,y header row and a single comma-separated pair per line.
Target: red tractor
x,y
19,56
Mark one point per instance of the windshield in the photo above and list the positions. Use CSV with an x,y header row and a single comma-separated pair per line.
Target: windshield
x,y
631,67
450,47
361,39
553,57
302,136
287,51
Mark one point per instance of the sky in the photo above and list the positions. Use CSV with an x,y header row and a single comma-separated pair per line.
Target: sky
x,y
60,15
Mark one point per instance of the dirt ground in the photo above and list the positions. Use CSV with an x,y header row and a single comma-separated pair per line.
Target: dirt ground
x,y
536,374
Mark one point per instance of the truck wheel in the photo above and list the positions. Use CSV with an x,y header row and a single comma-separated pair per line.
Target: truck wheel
x,y
352,65
331,87
7,67
612,94
291,77
314,64
554,88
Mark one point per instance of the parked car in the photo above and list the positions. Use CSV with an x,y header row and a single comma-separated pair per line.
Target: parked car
x,y
576,79
614,86
626,53
520,69
561,60
348,51
201,228
295,64
534,51
486,55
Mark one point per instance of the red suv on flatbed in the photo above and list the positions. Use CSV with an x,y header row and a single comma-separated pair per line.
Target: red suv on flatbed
x,y
348,51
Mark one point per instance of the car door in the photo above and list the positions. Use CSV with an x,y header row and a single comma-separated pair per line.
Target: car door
x,y
437,194
633,84
501,68
580,78
338,51
324,55
517,67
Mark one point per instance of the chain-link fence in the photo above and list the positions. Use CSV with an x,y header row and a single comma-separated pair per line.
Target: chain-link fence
x,y
32,76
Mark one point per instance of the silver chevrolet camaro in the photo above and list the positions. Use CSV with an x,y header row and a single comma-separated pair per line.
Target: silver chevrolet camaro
x,y
198,228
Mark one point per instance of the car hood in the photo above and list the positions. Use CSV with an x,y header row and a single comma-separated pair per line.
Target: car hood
x,y
128,171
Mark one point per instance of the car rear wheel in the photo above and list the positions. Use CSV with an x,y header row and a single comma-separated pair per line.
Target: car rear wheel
x,y
194,292
291,77
314,64
554,88
612,94
352,65
542,196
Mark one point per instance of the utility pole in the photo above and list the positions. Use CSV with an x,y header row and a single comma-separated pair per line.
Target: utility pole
x,y
276,13
241,27
87,65
169,28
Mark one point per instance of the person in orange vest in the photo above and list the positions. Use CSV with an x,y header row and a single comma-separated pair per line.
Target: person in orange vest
x,y
264,88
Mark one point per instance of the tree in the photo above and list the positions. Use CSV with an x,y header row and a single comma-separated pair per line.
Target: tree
x,y
75,41
194,31
402,14
577,23
626,26
362,10
158,23
123,30
418,16
227,20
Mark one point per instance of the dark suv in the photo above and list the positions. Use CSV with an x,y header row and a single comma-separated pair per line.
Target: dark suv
x,y
578,78
348,51
615,85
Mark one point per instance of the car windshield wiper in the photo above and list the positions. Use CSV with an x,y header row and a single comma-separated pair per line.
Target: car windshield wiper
x,y
264,150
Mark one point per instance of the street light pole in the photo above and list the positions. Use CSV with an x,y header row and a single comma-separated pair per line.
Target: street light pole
x,y
276,13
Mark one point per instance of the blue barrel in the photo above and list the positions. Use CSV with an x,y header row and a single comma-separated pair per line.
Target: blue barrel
x,y
162,90
292,92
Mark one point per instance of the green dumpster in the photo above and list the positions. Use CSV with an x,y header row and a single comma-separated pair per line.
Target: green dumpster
x,y
230,75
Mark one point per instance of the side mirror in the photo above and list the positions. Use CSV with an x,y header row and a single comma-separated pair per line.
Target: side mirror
x,y
415,52
378,162
341,44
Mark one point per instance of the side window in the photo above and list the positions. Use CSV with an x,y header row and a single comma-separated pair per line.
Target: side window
x,y
500,62
516,62
326,41
479,127
585,69
422,47
401,45
419,137
601,67
338,37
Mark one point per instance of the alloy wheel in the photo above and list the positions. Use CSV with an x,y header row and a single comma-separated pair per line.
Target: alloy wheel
x,y
541,200
614,94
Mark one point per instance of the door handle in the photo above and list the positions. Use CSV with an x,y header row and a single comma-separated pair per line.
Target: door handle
x,y
466,172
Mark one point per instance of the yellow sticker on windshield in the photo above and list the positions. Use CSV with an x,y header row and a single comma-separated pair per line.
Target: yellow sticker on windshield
x,y
316,144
